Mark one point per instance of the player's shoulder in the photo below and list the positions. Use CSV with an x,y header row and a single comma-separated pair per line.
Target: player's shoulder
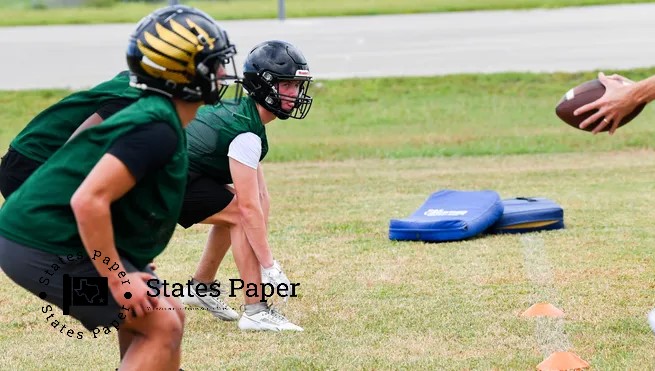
x,y
233,111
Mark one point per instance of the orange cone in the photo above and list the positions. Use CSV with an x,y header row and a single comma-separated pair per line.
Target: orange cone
x,y
543,310
560,361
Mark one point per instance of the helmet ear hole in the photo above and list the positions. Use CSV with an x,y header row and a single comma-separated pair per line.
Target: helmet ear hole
x,y
202,68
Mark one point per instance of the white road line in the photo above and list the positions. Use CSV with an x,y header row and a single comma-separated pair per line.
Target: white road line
x,y
549,332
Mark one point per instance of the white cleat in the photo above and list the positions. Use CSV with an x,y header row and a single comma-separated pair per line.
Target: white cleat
x,y
651,320
267,320
213,304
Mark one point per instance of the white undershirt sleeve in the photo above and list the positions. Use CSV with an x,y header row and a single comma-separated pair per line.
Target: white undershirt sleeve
x,y
247,149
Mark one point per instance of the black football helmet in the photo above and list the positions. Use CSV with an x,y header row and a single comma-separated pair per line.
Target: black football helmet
x,y
176,51
270,63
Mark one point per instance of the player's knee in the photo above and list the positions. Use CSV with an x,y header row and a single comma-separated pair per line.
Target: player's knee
x,y
232,214
168,329
228,217
173,333
180,316
179,309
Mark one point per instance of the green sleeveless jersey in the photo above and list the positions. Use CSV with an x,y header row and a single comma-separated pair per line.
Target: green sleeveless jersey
x,y
50,129
39,215
213,129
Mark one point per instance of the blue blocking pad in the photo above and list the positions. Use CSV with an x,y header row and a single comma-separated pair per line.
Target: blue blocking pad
x,y
449,215
529,214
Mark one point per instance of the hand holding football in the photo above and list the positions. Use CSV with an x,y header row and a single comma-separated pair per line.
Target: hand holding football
x,y
581,95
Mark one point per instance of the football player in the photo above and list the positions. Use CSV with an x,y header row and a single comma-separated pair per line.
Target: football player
x,y
226,146
113,193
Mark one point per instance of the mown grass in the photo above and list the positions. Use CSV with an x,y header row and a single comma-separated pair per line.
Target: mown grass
x,y
20,13
368,303
372,150
460,115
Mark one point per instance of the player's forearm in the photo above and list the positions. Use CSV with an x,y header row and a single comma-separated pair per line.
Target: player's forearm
x,y
264,198
643,91
254,226
93,218
266,206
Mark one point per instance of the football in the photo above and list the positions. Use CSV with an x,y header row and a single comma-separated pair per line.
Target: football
x,y
583,94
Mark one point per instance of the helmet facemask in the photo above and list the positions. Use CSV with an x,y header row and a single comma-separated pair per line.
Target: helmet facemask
x,y
211,85
274,99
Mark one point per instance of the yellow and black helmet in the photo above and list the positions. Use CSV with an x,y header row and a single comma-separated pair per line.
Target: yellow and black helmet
x,y
176,51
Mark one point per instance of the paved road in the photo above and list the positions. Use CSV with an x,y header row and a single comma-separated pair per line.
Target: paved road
x,y
570,39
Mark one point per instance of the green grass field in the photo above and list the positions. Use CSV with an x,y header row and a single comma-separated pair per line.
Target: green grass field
x,y
20,13
372,150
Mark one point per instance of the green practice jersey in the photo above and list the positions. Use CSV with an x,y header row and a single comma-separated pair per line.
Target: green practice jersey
x,y
50,129
213,129
39,214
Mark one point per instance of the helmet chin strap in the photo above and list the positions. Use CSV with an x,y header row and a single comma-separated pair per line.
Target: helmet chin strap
x,y
149,88
191,93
